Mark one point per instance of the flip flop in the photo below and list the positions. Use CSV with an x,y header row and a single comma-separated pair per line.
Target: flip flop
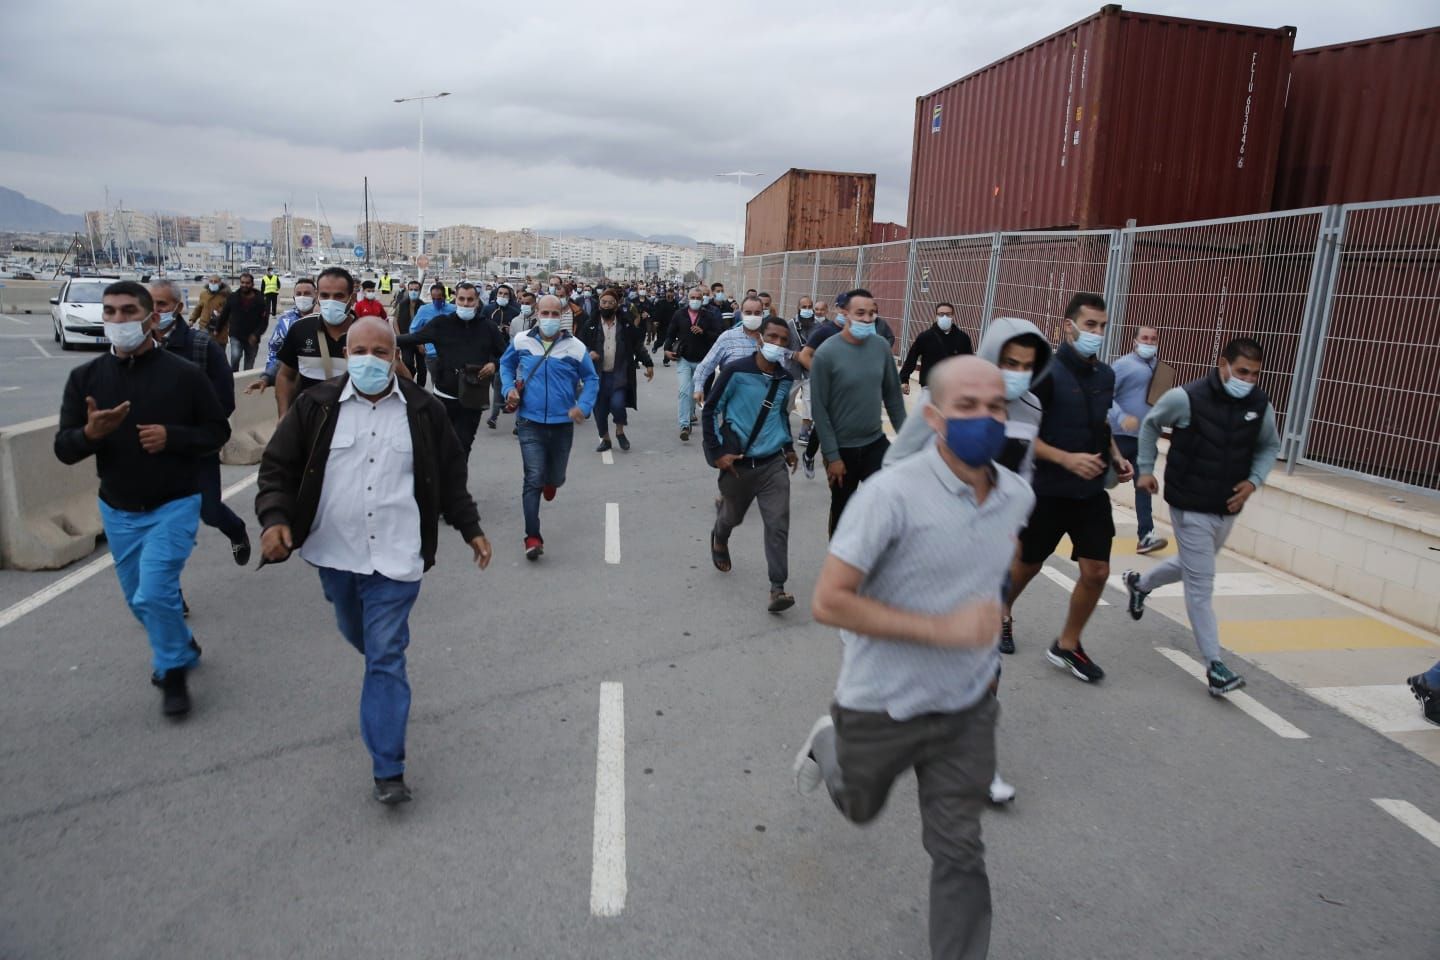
x,y
719,555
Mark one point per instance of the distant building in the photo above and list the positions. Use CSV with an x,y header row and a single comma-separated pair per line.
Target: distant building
x,y
300,228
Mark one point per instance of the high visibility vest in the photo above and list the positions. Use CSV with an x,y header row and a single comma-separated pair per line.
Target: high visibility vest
x,y
449,294
271,283
385,284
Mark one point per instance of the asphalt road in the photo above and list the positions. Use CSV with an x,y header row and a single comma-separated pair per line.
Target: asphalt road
x,y
33,368
1151,822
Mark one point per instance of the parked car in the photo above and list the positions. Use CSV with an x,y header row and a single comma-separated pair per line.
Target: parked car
x,y
76,313
22,275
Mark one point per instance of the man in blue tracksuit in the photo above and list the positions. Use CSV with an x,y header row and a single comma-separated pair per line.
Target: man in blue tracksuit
x,y
542,373
747,438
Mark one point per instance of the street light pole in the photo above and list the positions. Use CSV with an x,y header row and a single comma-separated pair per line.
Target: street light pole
x,y
420,191
739,176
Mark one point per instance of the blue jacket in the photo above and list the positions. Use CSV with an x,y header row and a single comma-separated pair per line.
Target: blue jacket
x,y
735,405
550,385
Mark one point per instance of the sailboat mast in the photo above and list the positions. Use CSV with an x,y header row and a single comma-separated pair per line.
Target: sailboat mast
x,y
367,223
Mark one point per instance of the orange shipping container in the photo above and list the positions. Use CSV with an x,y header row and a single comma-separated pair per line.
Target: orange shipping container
x,y
811,210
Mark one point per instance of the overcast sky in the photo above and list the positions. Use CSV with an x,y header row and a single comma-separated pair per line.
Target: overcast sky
x,y
563,113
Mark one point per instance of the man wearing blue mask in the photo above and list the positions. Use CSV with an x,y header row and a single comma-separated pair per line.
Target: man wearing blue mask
x,y
1222,447
1133,373
438,306
913,582
851,376
747,438
356,480
1073,452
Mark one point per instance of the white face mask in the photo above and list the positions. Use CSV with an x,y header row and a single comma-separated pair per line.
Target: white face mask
x,y
752,321
503,301
369,294
304,305
945,322
125,336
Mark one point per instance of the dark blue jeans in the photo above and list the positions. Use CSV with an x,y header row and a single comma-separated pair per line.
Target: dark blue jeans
x,y
545,451
611,401
1129,448
213,512
373,613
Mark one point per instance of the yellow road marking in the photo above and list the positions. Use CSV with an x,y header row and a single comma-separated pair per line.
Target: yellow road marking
x,y
1339,633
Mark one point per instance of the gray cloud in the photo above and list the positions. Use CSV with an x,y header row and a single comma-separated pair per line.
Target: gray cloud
x,y
563,112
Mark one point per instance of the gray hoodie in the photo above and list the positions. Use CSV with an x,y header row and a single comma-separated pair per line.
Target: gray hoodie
x,y
1022,423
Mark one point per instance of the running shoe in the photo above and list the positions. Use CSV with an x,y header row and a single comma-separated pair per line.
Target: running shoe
x,y
1136,606
1076,661
809,467
1001,792
392,790
1429,699
1222,680
549,490
1149,544
807,771
534,547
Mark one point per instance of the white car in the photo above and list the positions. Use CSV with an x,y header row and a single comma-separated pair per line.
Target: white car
x,y
76,312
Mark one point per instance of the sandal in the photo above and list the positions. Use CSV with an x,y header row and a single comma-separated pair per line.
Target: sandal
x,y
719,554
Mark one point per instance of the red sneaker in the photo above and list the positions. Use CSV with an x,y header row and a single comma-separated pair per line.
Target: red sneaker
x,y
534,547
548,491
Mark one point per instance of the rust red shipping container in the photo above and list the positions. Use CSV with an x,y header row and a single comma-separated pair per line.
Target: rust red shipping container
x,y
811,210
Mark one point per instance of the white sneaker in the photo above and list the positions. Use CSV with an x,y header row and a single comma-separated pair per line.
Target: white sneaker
x,y
807,771
1151,543
1000,791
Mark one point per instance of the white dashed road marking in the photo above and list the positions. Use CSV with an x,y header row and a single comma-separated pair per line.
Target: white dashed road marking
x,y
608,884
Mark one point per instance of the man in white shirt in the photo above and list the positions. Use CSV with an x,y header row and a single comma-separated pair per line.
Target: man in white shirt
x,y
364,510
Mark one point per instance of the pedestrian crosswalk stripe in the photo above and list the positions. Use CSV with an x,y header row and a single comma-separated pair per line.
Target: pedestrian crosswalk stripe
x,y
1389,708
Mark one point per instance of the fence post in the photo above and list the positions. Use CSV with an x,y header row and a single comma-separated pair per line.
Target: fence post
x,y
784,276
815,278
1117,276
992,281
859,264
1319,306
909,298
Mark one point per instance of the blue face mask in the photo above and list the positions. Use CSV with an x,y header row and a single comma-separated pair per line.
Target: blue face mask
x,y
465,313
696,304
861,331
975,440
1237,388
414,294
807,314
1016,383
1146,350
334,312
772,352
370,375
549,326
1088,344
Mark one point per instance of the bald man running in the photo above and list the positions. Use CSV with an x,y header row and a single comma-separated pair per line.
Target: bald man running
x,y
364,510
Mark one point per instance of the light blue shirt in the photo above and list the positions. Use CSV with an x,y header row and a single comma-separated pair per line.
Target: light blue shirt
x,y
1132,386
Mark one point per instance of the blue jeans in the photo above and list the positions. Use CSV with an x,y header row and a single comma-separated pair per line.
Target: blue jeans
x,y
150,550
545,451
686,375
1129,448
611,401
373,613
213,511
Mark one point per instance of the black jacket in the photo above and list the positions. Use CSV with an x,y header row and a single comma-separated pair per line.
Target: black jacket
x,y
292,469
196,346
502,317
630,351
931,347
1214,453
689,345
458,343
1076,396
162,389
246,316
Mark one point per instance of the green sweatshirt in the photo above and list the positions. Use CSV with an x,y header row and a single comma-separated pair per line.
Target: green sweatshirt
x,y
848,382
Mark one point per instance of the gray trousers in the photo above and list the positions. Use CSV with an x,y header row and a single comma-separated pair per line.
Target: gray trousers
x,y
770,484
954,759
1200,537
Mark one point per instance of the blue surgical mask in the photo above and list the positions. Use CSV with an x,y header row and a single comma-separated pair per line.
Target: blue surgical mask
x,y
370,375
975,440
772,352
1146,350
1088,344
465,313
334,312
807,314
861,331
526,309
1016,383
549,326
304,304
1237,388
696,304
945,322
413,294
213,287
166,321
503,301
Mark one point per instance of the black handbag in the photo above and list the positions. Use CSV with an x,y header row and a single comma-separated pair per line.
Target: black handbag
x,y
474,388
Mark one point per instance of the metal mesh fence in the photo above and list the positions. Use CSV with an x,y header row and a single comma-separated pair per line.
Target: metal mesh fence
x,y
1376,407
954,271
1201,285
835,272
1038,273
882,272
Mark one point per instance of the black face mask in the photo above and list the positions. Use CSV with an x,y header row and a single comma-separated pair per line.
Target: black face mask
x,y
607,311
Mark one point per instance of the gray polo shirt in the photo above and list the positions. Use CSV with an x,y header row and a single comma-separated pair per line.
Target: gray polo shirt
x,y
924,545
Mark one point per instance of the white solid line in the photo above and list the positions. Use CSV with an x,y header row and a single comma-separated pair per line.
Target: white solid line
x,y
70,581
20,320
1243,702
607,877
612,533
1052,574
43,352
607,458
1411,815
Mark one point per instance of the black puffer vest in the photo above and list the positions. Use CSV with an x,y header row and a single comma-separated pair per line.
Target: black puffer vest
x,y
1213,454
1079,398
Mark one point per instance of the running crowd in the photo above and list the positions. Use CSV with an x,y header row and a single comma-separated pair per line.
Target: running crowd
x,y
1015,439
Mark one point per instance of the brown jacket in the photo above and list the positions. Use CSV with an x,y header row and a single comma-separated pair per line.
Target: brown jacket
x,y
206,315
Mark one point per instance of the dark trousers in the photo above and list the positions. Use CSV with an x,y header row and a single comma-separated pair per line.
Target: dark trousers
x,y
414,359
861,463
497,399
1129,448
768,483
432,364
272,299
464,420
213,511
611,401
953,755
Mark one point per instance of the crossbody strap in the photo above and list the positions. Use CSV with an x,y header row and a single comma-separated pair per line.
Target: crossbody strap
x,y
325,355
765,409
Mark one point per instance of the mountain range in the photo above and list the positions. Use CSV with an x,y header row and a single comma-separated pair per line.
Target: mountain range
x,y
603,231
18,212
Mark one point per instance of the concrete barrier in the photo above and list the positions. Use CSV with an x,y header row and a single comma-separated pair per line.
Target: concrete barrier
x,y
49,514
251,424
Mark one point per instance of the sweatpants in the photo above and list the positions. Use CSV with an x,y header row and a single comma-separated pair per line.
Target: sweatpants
x,y
1199,537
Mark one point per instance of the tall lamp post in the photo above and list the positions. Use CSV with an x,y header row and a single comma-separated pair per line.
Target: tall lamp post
x,y
420,200
739,176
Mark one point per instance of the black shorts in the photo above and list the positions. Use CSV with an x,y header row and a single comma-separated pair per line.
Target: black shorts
x,y
1088,522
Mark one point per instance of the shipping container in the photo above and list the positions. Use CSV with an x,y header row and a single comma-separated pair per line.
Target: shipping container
x,y
1120,116
811,210
886,232
1362,122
